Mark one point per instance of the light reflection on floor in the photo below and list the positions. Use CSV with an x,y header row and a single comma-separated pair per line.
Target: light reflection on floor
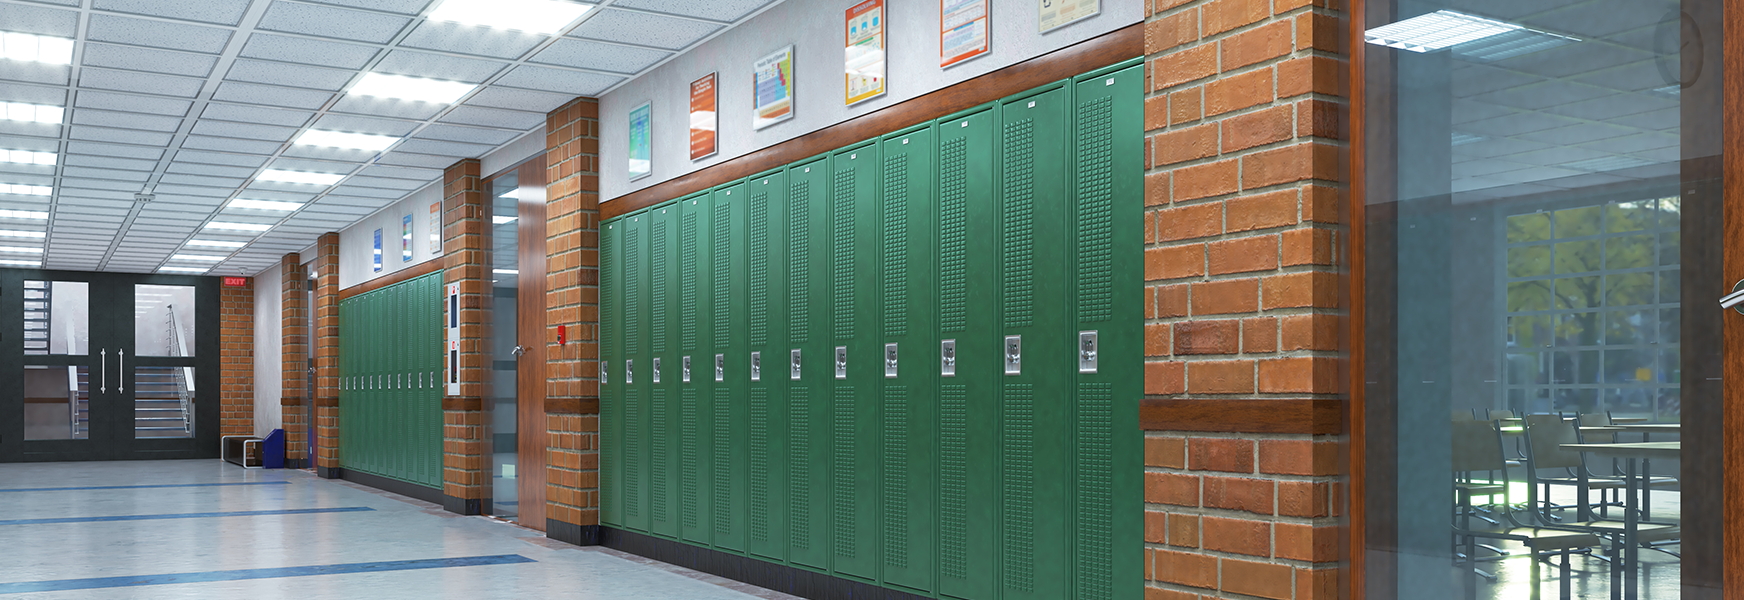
x,y
1591,577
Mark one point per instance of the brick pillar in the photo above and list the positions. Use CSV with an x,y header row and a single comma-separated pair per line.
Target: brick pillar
x,y
326,391
572,492
236,359
466,482
294,402
1245,123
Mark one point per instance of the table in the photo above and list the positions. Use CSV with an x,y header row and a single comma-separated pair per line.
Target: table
x,y
1629,453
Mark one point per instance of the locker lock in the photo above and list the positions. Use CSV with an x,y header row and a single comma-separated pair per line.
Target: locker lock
x,y
684,366
795,356
629,371
841,362
1013,354
656,371
756,366
1086,352
605,367
948,358
720,367
890,360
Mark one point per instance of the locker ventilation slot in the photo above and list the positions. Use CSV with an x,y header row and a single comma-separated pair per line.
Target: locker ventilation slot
x,y
954,481
722,260
896,476
1017,219
1096,210
1019,475
723,451
1095,471
953,235
657,439
799,262
690,455
632,455
799,481
632,288
658,282
895,245
843,267
687,249
760,443
759,269
847,469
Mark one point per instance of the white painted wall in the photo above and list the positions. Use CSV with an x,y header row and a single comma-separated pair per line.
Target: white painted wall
x,y
815,29
268,346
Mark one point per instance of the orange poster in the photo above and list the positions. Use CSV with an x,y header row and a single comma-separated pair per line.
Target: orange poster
x,y
702,117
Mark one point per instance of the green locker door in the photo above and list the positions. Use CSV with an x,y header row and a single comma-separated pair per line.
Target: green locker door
x,y
1107,449
730,421
810,368
610,375
696,315
967,357
636,515
767,532
431,351
907,270
345,393
857,369
396,418
663,391
1037,370
366,414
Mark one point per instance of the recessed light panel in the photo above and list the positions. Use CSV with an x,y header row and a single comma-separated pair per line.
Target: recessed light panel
x,y
301,177
1441,29
350,141
37,48
26,190
499,220
197,257
38,113
20,250
265,205
533,16
416,89
23,214
26,157
21,263
184,269
237,226
12,233
216,243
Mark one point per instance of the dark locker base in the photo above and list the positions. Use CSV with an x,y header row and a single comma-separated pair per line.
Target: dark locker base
x,y
778,577
410,490
329,472
570,533
462,506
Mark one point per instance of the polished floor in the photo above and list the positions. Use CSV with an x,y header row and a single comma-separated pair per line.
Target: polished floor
x,y
1590,577
208,529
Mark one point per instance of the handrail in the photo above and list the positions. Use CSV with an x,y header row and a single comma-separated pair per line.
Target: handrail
x,y
184,376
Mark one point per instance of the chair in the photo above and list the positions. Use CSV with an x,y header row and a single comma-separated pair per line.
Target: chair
x,y
1545,435
1477,446
1463,415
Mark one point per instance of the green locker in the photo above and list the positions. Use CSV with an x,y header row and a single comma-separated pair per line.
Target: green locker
x,y
636,355
809,363
857,367
611,398
663,391
698,374
968,356
731,420
907,267
767,407
397,413
1036,373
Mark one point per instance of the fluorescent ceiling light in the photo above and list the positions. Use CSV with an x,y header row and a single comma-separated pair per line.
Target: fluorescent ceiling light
x,y
22,263
499,220
23,214
20,250
40,113
301,177
505,272
1442,29
265,205
238,226
185,269
416,89
216,243
534,16
38,48
514,194
22,234
26,190
26,157
350,141
199,257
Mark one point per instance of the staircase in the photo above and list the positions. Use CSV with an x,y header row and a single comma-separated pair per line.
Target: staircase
x,y
160,398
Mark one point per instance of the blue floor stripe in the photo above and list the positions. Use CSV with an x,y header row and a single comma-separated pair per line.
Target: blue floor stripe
x,y
61,585
138,487
243,513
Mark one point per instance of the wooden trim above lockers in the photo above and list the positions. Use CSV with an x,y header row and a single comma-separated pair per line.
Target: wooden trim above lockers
x,y
1317,416
413,272
1101,51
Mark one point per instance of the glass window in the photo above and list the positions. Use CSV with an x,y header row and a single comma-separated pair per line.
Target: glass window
x,y
163,402
163,320
57,317
57,403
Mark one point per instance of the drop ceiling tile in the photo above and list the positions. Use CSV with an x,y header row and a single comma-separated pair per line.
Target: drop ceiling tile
x,y
270,186
437,66
19,128
145,59
356,124
146,83
100,198
29,143
287,74
247,131
255,114
258,194
131,103
249,93
87,116
156,34
558,80
336,206
494,117
220,144
717,10
406,7
583,54
34,94
209,170
98,184
423,175
35,72
312,166
404,185
644,29
220,182
104,162
214,158
462,39
192,191
10,169
222,12
518,99
331,22
39,20
330,153
100,149
387,107
408,159
125,136
443,148
473,135
31,180
307,51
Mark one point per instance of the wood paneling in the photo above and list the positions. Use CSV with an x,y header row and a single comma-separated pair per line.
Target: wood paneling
x,y
418,270
1306,415
572,406
1350,537
1101,51
1733,349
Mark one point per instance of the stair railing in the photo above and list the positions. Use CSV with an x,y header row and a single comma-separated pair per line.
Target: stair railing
x,y
184,376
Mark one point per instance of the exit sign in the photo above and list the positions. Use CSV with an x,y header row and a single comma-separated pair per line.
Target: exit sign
x,y
235,282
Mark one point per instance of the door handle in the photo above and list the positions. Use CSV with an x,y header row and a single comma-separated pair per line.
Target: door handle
x,y
103,388
519,350
121,370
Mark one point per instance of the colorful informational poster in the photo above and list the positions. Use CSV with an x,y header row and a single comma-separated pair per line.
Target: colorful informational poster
x,y
864,59
962,31
435,228
772,88
406,239
1059,13
378,254
641,145
702,117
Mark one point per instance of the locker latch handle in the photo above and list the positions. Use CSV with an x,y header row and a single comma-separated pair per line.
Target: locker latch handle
x,y
720,367
756,366
629,371
656,371
841,362
685,366
1087,352
890,361
795,356
1013,354
948,358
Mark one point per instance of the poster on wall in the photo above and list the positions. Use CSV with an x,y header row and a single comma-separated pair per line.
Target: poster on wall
x,y
864,58
772,88
406,239
1055,14
435,228
702,117
641,148
962,31
378,255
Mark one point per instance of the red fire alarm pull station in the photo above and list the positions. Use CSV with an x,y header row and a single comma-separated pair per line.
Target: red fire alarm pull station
x,y
560,335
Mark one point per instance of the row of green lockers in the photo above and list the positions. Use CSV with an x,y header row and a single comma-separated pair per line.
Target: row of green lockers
x,y
390,373
913,362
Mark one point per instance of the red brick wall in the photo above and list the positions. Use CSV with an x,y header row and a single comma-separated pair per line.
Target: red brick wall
x,y
237,360
465,468
572,301
326,391
1245,119
294,402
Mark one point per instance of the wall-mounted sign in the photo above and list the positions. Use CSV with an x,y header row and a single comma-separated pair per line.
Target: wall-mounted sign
x,y
962,30
235,282
1054,14
641,145
702,117
378,250
435,227
863,61
772,88
406,239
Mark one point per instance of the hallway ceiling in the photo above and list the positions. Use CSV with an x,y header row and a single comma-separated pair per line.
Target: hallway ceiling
x,y
195,100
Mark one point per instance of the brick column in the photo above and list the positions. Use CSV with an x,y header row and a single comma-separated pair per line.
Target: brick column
x,y
236,356
326,391
294,403
1245,122
572,302
466,482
